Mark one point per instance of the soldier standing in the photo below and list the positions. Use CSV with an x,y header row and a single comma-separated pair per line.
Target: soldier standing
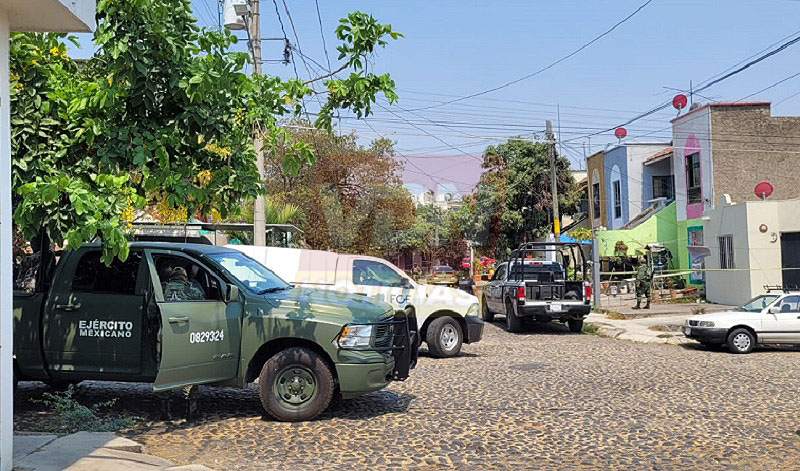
x,y
644,281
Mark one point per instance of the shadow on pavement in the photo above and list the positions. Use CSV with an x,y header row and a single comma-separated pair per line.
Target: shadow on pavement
x,y
215,404
536,328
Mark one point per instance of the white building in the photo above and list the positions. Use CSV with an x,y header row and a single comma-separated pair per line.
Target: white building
x,y
21,15
751,244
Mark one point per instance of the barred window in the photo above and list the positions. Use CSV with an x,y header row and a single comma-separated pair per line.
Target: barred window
x,y
726,252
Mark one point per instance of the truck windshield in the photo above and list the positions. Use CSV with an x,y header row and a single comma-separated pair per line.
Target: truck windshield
x,y
758,303
254,276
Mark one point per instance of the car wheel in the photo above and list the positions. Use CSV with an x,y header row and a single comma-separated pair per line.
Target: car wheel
x,y
575,325
486,314
513,322
296,384
444,337
741,341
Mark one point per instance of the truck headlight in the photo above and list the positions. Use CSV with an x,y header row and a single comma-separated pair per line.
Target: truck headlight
x,y
355,336
473,310
705,324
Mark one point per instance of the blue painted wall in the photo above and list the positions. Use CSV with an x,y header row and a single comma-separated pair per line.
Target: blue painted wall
x,y
616,168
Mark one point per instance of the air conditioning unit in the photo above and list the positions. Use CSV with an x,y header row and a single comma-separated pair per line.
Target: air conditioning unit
x,y
233,19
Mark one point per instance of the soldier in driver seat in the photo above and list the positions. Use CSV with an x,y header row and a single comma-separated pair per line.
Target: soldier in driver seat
x,y
178,287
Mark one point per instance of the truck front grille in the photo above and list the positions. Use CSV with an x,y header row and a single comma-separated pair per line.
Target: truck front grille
x,y
383,335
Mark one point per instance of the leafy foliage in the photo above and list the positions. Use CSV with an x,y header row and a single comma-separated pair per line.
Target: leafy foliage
x,y
162,115
513,201
352,199
70,416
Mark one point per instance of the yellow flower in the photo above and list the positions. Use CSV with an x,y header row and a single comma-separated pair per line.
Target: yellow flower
x,y
200,138
110,80
54,51
288,100
63,54
215,215
14,77
35,62
19,86
203,178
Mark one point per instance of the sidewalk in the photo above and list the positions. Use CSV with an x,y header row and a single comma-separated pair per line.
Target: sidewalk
x,y
659,324
85,451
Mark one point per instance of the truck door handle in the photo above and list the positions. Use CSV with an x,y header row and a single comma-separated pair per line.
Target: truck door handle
x,y
68,307
178,320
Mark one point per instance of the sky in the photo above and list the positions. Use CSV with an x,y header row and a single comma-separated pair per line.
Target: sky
x,y
455,48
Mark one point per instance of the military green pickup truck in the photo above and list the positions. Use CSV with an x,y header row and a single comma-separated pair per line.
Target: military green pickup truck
x,y
178,315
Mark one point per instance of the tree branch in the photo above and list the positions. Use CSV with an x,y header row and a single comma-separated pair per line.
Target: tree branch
x,y
331,74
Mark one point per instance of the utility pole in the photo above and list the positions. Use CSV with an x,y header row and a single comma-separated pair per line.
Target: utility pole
x,y
551,150
238,15
259,208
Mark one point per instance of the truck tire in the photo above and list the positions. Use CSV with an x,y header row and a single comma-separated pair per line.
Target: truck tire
x,y
575,325
444,337
295,385
486,314
741,341
513,323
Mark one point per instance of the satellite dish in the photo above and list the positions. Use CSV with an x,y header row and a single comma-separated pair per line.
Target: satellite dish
x,y
620,132
679,102
763,190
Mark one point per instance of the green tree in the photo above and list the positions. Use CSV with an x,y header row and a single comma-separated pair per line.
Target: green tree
x,y
351,198
163,112
513,201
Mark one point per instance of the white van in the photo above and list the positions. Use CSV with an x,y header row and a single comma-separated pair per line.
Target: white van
x,y
446,317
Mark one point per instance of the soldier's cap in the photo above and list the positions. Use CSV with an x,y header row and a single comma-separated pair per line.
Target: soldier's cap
x,y
178,272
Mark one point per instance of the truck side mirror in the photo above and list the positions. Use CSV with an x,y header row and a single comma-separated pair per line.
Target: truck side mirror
x,y
231,293
775,310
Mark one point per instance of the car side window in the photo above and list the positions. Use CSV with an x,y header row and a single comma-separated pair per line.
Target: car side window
x,y
94,276
370,273
500,273
790,304
182,279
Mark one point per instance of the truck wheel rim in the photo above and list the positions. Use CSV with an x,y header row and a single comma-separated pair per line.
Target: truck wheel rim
x,y
741,341
449,337
296,385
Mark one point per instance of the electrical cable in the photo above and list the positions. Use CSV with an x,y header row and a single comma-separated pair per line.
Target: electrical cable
x,y
549,66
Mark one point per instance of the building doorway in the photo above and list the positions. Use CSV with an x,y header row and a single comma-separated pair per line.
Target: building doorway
x,y
790,259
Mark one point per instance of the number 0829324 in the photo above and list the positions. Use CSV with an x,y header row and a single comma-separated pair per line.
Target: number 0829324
x,y
207,336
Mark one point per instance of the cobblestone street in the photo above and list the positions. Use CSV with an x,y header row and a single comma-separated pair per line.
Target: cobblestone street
x,y
547,400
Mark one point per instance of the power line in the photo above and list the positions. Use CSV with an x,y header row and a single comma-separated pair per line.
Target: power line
x,y
322,35
726,76
771,86
549,66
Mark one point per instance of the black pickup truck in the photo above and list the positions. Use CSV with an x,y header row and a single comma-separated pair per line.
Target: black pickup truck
x,y
542,282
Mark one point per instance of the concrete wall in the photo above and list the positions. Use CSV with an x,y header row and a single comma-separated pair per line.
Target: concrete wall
x,y
757,254
658,169
749,147
637,184
727,287
616,164
596,174
661,227
691,133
